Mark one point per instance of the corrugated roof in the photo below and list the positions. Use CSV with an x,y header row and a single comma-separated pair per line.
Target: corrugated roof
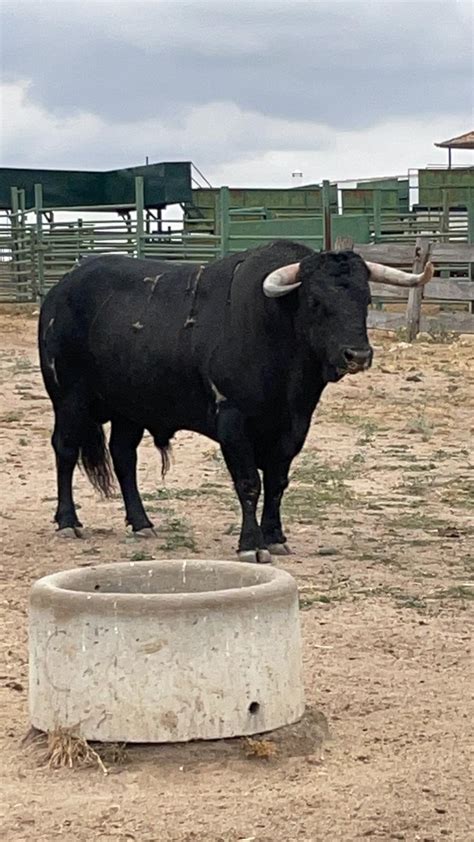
x,y
464,141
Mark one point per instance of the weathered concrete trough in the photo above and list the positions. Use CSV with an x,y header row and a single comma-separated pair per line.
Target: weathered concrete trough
x,y
165,651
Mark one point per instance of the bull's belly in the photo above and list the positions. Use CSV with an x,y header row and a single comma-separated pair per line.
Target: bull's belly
x,y
162,410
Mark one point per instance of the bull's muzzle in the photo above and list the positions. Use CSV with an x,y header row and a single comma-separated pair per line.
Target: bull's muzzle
x,y
357,359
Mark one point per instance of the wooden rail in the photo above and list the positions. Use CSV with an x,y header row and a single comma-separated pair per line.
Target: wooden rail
x,y
458,291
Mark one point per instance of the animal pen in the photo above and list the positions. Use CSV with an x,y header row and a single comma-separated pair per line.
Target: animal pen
x,y
401,221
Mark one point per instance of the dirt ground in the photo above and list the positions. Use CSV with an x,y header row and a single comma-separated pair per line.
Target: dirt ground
x,y
380,519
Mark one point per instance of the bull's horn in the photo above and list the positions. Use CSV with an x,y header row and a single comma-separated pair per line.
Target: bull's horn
x,y
281,281
395,277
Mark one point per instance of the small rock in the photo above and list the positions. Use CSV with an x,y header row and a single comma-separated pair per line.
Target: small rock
x,y
424,337
400,346
449,532
313,760
466,338
15,685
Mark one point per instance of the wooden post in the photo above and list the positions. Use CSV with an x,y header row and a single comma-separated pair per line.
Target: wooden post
x,y
415,294
140,209
343,243
326,202
224,220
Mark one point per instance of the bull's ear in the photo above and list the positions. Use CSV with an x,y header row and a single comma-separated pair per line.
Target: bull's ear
x,y
281,281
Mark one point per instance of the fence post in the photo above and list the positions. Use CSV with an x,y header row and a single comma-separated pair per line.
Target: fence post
x,y
326,203
415,294
39,239
22,201
140,207
79,233
15,229
224,219
445,212
15,199
470,217
344,243
24,245
377,215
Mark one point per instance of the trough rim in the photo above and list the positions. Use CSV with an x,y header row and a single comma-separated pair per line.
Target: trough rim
x,y
50,592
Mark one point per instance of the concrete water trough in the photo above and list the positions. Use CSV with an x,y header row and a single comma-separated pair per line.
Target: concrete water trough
x,y
165,651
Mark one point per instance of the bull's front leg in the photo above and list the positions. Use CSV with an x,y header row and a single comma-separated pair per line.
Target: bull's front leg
x,y
275,481
238,452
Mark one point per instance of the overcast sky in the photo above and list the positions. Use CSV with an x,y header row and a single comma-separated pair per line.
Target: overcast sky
x,y
249,91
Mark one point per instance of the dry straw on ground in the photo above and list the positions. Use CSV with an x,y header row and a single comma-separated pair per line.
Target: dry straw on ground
x,y
62,749
262,749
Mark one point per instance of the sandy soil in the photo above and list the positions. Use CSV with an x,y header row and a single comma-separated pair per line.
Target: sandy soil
x,y
380,517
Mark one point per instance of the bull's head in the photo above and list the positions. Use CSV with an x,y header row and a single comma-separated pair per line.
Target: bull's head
x,y
332,304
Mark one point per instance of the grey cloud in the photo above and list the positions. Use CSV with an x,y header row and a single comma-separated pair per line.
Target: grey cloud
x,y
348,65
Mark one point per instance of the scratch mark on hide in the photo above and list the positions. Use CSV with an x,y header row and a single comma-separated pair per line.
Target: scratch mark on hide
x,y
153,282
52,366
193,289
220,398
101,306
234,271
48,326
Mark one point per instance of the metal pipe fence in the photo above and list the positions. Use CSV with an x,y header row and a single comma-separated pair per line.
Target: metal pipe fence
x,y
36,249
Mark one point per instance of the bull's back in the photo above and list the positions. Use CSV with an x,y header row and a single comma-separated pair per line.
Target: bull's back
x,y
128,325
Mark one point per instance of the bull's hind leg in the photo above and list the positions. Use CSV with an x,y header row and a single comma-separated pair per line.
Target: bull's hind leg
x,y
66,442
239,456
124,440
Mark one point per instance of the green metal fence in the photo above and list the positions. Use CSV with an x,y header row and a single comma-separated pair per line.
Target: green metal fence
x,y
36,249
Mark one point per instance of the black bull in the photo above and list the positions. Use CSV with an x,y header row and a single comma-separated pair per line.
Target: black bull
x,y
155,346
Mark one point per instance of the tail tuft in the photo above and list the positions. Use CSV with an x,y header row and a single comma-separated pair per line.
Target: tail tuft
x,y
162,443
165,460
95,459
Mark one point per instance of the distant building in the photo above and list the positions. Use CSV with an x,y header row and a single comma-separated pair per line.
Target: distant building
x,y
463,141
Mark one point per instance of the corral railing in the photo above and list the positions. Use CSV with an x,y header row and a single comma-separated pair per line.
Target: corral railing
x,y
450,294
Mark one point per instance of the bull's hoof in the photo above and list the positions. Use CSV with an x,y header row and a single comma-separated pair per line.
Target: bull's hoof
x,y
146,534
279,549
68,532
255,556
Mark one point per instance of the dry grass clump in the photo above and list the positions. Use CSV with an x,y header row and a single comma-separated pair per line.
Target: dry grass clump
x,y
62,749
263,749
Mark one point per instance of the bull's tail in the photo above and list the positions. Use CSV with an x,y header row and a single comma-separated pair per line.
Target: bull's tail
x,y
95,458
162,443
165,460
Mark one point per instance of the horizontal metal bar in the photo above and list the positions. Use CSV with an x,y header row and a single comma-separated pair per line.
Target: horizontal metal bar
x,y
272,237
